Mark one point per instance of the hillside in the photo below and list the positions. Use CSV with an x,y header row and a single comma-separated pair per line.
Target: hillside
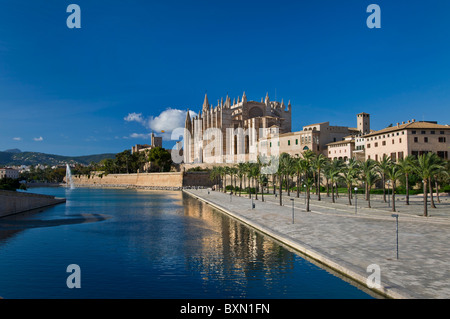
x,y
34,158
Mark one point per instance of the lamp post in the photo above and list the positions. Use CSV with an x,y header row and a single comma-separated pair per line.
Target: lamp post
x,y
396,229
292,200
356,201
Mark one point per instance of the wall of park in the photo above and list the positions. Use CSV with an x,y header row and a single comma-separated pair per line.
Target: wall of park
x,y
17,202
169,180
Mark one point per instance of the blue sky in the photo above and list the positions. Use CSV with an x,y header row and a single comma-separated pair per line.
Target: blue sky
x,y
68,91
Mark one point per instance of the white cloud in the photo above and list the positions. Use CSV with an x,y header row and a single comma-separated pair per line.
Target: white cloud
x,y
135,117
17,138
161,125
139,135
38,139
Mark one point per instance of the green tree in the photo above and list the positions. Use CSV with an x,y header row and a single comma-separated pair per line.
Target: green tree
x,y
161,158
383,167
427,165
394,173
370,177
319,163
407,165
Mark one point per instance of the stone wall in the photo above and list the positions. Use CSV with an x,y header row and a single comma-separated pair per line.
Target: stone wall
x,y
18,202
170,180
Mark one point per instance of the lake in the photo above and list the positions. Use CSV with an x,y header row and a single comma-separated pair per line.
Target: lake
x,y
138,244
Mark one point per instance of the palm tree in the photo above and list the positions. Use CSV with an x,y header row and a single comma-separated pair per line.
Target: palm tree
x,y
383,167
319,163
366,168
371,177
426,166
334,170
283,166
394,173
326,173
349,174
407,166
240,173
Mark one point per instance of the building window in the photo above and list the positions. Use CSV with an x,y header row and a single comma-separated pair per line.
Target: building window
x,y
392,141
296,141
383,143
376,144
425,139
413,132
400,155
441,139
289,142
394,157
441,132
416,139
400,140
423,132
443,154
432,132
270,144
368,145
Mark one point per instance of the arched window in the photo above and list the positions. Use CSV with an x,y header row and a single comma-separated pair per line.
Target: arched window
x,y
306,148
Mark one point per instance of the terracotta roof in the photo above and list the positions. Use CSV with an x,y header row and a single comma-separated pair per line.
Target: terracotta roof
x,y
412,125
341,142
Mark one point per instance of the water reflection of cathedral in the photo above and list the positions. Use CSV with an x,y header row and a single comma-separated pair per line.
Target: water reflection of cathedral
x,y
231,250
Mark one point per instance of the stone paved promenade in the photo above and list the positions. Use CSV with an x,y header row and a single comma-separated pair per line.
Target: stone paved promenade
x,y
349,242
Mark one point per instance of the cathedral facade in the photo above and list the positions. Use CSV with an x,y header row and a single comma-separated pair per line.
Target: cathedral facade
x,y
229,132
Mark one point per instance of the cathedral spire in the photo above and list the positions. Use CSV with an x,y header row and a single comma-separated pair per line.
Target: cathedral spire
x,y
187,122
205,103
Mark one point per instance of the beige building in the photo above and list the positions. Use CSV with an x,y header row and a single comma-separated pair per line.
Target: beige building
x,y
342,150
314,137
410,138
155,142
9,173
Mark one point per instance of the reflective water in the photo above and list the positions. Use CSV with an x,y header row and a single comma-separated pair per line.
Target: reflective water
x,y
150,244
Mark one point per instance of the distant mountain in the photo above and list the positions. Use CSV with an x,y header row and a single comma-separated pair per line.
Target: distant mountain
x,y
13,150
16,157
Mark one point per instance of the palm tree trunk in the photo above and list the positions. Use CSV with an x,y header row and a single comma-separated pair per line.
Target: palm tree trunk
x,y
298,185
349,191
256,189
328,188
425,196
240,186
437,189
280,189
307,200
318,185
431,193
407,189
262,192
332,192
384,189
368,198
393,196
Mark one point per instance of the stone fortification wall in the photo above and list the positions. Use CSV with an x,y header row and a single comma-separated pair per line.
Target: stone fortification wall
x,y
171,180
18,202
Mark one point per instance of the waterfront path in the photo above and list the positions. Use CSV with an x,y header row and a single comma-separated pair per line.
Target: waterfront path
x,y
349,241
